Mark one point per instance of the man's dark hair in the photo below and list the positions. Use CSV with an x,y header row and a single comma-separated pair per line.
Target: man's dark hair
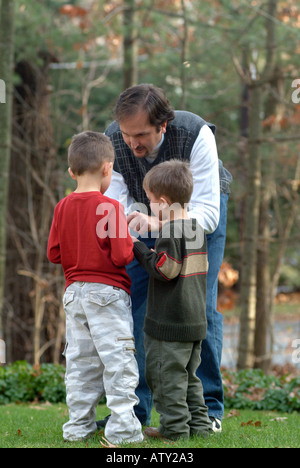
x,y
145,97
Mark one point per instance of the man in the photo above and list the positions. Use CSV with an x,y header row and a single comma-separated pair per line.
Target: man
x,y
148,131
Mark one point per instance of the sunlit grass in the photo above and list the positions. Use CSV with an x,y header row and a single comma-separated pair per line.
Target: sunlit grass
x,y
40,426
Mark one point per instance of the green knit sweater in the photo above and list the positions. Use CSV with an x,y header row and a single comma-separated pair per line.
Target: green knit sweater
x,y
176,308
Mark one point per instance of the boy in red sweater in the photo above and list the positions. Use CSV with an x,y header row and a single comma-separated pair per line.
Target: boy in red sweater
x,y
89,237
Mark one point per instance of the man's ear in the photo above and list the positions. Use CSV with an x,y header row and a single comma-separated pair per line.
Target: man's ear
x,y
164,126
71,174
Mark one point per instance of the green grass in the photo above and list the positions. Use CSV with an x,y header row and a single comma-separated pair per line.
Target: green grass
x,y
40,426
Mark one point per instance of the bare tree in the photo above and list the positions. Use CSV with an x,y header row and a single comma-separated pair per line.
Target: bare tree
x,y
6,69
256,82
130,68
31,282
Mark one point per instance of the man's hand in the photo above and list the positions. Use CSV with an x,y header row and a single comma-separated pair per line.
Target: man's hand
x,y
141,223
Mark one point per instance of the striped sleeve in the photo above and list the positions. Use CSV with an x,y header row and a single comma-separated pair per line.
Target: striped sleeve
x,y
165,263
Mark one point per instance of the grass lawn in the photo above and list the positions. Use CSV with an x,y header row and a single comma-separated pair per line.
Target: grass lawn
x,y
40,426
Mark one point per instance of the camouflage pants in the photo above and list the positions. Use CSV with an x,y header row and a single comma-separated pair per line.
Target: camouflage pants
x,y
100,360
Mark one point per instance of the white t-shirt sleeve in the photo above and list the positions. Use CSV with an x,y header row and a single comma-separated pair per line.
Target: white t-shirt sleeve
x,y
204,164
118,190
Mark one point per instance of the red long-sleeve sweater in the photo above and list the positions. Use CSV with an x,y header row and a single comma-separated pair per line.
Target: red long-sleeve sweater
x,y
89,238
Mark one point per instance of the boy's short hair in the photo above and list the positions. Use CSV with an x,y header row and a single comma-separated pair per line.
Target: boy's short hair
x,y
88,151
173,179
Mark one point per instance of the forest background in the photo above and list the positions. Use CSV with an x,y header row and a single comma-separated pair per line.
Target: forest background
x,y
62,67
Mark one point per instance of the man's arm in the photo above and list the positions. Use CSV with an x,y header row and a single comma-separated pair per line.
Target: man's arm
x,y
205,200
204,164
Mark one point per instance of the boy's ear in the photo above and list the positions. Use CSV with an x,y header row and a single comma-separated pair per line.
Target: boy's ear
x,y
164,200
106,168
71,173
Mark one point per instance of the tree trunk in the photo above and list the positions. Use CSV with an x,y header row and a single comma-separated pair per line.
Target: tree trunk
x,y
274,108
249,258
262,326
6,73
33,179
246,358
184,54
130,69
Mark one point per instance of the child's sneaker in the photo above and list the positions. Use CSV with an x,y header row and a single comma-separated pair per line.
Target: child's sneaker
x,y
216,424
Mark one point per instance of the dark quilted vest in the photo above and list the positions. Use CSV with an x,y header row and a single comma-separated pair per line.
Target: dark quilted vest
x,y
180,137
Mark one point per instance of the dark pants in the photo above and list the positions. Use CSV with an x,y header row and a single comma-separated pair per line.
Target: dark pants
x,y
177,391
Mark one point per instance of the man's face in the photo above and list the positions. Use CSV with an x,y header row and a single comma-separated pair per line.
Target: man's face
x,y
140,135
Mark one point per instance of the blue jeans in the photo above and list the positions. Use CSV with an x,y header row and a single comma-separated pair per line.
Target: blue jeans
x,y
209,370
211,354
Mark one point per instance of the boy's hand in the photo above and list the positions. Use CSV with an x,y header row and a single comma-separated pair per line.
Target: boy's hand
x,y
142,223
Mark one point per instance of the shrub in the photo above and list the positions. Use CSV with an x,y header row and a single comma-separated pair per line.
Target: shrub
x,y
247,389
252,389
21,382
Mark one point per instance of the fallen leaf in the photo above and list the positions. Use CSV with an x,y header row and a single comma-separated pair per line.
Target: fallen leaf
x,y
107,444
283,419
233,413
251,423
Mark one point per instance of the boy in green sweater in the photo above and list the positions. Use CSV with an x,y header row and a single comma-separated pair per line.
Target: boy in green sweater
x,y
175,323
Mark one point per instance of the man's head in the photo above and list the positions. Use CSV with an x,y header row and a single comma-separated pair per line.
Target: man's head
x,y
88,151
143,113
